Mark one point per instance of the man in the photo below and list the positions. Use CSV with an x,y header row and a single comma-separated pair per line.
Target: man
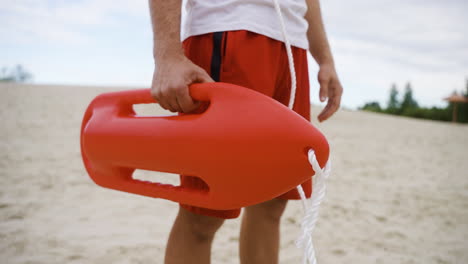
x,y
240,42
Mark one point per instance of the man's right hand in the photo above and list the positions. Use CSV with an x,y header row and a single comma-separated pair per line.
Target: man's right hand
x,y
171,79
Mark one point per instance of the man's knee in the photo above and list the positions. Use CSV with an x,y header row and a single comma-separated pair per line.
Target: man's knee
x,y
201,227
268,211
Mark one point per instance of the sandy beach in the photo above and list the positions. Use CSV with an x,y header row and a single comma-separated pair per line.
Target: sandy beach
x,y
398,192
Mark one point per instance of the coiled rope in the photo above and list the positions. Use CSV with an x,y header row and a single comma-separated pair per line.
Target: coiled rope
x,y
311,206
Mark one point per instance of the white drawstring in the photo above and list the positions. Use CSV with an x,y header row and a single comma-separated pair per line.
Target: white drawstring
x,y
310,212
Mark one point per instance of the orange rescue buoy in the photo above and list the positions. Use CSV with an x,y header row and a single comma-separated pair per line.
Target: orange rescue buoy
x,y
247,147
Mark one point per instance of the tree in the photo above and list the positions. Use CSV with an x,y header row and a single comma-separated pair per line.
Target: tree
x,y
5,76
21,74
466,88
463,107
393,104
408,102
17,74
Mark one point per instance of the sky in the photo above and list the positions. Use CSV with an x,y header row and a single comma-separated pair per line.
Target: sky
x,y
375,44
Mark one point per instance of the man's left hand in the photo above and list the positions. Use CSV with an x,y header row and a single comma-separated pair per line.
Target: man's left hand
x,y
330,89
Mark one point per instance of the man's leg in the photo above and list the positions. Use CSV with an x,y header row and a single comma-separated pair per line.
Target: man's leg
x,y
260,232
190,238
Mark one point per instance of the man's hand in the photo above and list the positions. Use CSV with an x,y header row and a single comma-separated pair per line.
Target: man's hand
x,y
171,79
331,89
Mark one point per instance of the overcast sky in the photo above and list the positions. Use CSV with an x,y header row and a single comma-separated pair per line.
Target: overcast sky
x,y
375,44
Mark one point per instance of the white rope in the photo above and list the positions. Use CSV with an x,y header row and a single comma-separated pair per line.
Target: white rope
x,y
311,209
292,70
309,220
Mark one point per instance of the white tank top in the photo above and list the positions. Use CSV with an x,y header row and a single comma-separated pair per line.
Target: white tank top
x,y
259,16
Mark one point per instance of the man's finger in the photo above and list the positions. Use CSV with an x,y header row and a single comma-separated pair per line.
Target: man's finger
x,y
184,100
324,114
164,105
323,94
203,77
171,102
159,97
332,106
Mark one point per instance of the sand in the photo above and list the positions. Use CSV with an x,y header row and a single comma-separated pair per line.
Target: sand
x,y
398,192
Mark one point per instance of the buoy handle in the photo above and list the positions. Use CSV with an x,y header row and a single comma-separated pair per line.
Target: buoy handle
x,y
202,91
198,91
125,182
127,99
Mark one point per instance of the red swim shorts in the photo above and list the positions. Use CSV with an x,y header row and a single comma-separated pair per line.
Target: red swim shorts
x,y
257,62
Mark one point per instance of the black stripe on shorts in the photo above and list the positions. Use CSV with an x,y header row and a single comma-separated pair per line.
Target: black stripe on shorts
x,y
216,56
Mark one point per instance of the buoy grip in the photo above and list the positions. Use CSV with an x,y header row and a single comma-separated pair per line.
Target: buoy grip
x,y
140,96
125,182
202,91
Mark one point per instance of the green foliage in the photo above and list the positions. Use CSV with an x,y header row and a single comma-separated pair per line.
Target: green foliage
x,y
466,91
16,74
408,103
372,106
433,113
463,108
393,103
409,107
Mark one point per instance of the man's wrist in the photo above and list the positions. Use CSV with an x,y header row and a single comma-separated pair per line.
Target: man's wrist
x,y
168,52
325,60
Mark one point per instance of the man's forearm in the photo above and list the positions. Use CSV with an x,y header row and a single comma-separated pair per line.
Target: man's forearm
x,y
318,43
165,18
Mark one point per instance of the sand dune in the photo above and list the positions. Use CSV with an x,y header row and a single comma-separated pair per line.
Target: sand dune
x,y
398,192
